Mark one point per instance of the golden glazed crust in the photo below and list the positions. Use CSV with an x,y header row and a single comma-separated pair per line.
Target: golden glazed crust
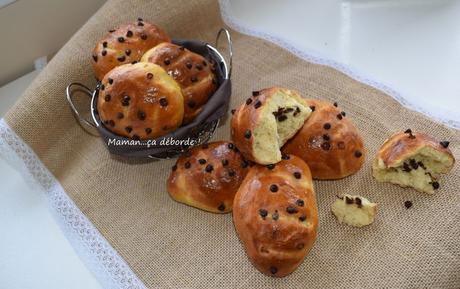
x,y
329,143
125,44
275,215
207,177
140,101
192,71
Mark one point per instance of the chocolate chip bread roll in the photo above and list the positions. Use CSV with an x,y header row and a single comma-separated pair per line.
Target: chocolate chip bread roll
x,y
126,44
191,70
329,142
207,177
414,160
265,121
275,215
140,101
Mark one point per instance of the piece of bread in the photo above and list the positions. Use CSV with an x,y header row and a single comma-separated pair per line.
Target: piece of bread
x,y
355,211
329,142
207,177
125,44
413,160
140,101
275,215
191,70
265,121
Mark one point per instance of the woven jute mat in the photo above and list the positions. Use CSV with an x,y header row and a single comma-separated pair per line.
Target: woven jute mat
x,y
170,245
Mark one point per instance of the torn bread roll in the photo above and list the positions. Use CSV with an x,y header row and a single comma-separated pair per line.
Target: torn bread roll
x,y
414,160
355,211
275,215
265,121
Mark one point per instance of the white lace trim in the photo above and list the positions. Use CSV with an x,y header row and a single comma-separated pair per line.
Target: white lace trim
x,y
314,57
102,260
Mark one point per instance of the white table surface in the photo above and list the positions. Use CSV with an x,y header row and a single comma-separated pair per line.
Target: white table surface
x,y
412,45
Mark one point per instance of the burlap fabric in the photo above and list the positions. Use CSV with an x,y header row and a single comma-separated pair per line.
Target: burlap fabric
x,y
169,245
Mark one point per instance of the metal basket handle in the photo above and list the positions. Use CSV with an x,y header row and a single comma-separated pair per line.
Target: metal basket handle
x,y
70,89
230,47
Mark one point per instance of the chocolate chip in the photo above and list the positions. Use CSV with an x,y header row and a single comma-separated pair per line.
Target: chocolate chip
x,y
285,156
191,103
327,125
336,104
112,30
104,52
257,104
302,218
209,168
187,165
230,146
247,134
221,207
149,75
255,93
95,58
326,146
188,65
129,33
273,188
143,36
128,52
421,165
270,166
107,97
163,101
342,113
174,167
341,145
413,163
104,44
233,111
288,110
133,62
359,202
121,58
248,101
444,144
244,164
275,215
141,115
121,39
348,200
312,107
409,131
339,116
407,204
125,100
300,246
111,123
406,167
297,175
291,210
202,161
231,172
300,203
263,213
140,24
120,115
193,79
148,130
199,66
225,162
128,129
205,63
282,117
435,185
273,270
358,153
326,137
167,61
110,80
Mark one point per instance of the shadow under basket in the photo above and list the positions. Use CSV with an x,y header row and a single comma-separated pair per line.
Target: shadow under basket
x,y
199,131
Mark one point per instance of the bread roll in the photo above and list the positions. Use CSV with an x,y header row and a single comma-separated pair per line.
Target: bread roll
x,y
329,143
265,121
192,71
413,160
275,215
355,211
125,44
207,177
140,101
